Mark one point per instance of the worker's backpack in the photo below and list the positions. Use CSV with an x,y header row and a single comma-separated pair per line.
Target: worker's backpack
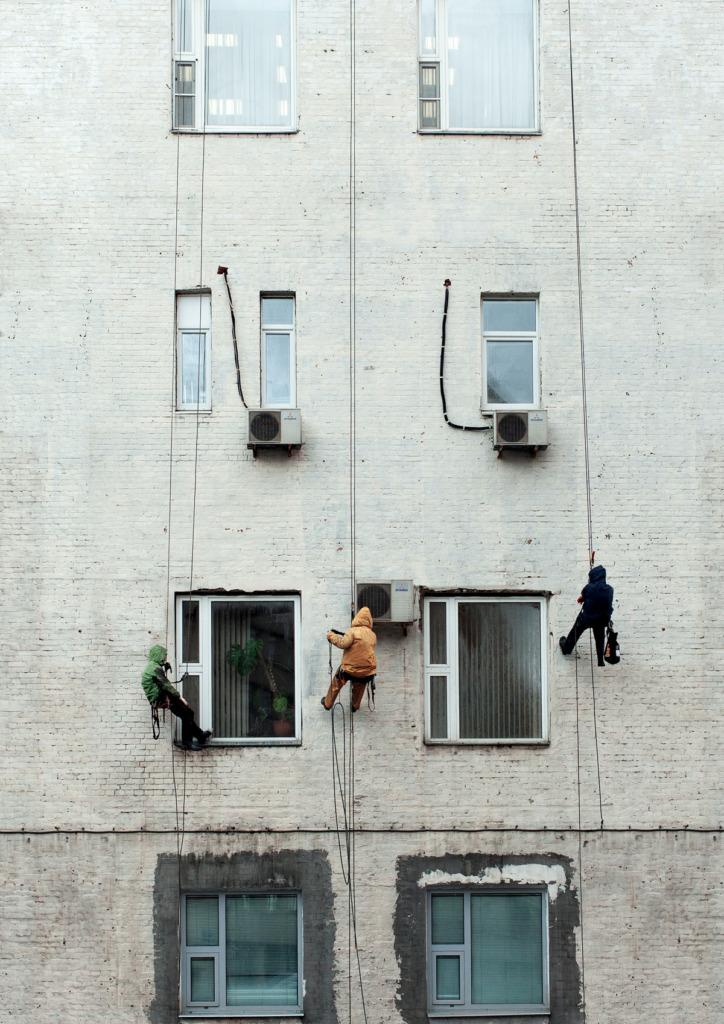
x,y
611,654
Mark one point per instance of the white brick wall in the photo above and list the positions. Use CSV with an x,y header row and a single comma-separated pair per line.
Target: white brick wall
x,y
87,194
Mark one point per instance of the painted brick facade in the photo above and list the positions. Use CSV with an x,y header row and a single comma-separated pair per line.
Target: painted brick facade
x,y
89,208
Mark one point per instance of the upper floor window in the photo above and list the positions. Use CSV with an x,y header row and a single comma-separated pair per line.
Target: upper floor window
x,y
510,353
242,954
477,69
234,65
278,359
487,952
485,669
193,351
242,656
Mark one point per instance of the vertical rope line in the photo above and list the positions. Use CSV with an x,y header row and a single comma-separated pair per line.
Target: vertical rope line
x,y
595,732
580,844
580,291
173,393
353,300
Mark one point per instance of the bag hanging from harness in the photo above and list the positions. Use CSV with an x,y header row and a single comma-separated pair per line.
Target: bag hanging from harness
x,y
612,653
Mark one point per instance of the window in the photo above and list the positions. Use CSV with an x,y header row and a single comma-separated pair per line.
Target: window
x,y
487,952
510,353
234,65
242,954
477,69
485,669
193,359
243,663
278,360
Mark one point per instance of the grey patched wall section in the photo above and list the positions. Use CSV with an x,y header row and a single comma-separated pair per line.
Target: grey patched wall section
x,y
411,930
306,870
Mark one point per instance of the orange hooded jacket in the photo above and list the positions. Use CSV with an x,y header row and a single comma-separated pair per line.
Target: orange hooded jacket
x,y
358,644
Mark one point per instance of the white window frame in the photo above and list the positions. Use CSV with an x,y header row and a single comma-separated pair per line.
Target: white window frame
x,y
531,336
219,1007
197,56
450,670
464,1007
202,668
289,329
439,58
203,328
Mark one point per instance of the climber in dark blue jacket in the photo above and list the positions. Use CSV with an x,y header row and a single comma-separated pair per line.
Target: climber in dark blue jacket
x,y
597,600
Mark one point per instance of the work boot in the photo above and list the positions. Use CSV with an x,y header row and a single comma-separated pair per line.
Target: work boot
x,y
181,745
206,737
562,642
324,703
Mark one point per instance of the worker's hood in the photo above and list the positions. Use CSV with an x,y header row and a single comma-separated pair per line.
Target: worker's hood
x,y
597,574
363,618
157,654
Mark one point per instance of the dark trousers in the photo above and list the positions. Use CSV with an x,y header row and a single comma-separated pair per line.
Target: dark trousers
x,y
189,728
580,626
338,681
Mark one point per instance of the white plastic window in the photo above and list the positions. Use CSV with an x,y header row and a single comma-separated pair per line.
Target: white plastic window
x,y
242,954
242,657
487,951
485,677
193,352
478,66
510,353
278,357
237,65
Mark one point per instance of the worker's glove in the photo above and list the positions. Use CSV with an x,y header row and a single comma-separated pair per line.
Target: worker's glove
x,y
166,666
580,599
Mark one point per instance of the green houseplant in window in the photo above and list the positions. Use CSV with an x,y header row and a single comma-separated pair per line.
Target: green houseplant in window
x,y
277,718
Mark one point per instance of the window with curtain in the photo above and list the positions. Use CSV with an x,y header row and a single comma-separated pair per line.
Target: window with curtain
x,y
234,65
242,954
278,358
477,68
485,669
487,951
240,660
510,353
193,352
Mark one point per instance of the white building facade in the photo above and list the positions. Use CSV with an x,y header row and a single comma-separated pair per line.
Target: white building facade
x,y
509,834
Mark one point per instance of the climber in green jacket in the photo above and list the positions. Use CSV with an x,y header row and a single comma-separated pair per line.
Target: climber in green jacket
x,y
162,693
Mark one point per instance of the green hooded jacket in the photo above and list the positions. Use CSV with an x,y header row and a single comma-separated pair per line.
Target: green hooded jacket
x,y
154,680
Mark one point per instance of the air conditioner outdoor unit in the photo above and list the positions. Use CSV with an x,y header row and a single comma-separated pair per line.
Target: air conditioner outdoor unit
x,y
526,430
388,602
273,428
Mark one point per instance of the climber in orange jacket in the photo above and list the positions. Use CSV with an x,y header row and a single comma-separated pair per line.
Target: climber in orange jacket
x,y
358,661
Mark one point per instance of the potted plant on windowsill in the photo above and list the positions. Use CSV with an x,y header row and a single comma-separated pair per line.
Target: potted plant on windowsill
x,y
284,724
244,658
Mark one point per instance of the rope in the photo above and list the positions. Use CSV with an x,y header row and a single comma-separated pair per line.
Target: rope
x,y
353,304
457,426
580,844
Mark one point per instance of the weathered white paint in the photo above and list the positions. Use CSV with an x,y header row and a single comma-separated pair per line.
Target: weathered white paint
x,y
554,877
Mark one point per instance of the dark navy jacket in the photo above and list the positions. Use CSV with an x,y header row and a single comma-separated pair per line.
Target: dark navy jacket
x,y
597,596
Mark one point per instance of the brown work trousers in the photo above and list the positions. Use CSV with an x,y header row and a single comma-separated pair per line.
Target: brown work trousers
x,y
338,681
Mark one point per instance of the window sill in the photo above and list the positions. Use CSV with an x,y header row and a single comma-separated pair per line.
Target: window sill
x,y
235,131
267,741
527,742
512,132
194,412
227,1015
509,1016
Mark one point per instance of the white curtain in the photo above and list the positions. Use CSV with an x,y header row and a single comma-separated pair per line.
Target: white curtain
x,y
248,54
491,83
